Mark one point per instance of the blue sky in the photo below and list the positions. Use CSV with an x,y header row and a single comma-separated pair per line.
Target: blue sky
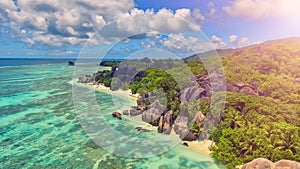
x,y
31,28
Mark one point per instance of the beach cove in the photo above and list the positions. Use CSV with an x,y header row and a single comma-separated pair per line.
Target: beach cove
x,y
40,128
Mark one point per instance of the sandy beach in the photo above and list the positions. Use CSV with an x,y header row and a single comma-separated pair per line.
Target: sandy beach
x,y
125,93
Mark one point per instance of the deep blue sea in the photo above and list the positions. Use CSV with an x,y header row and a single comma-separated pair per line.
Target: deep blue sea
x,y
39,127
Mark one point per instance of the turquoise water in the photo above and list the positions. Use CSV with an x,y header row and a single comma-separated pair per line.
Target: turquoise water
x,y
39,127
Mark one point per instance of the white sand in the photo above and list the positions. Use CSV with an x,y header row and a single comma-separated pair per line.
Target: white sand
x,y
200,147
126,93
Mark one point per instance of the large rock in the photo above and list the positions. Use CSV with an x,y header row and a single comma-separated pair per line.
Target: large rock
x,y
249,91
259,163
287,164
188,137
160,124
199,118
165,123
153,113
262,163
181,126
192,93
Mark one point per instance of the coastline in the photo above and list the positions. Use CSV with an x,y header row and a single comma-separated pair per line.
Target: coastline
x,y
195,146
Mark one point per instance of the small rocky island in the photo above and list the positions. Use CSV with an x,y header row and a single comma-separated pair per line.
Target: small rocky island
x,y
71,63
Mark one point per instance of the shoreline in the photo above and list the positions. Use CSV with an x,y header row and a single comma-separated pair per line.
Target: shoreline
x,y
125,93
195,146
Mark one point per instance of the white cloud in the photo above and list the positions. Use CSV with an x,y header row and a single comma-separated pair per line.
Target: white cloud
x,y
244,41
233,39
259,9
257,42
212,9
182,43
238,42
56,22
217,42
8,5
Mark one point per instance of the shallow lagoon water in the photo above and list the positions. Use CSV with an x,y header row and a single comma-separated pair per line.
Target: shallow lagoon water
x,y
39,127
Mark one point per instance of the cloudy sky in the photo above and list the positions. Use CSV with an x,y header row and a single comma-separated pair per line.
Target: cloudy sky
x,y
56,28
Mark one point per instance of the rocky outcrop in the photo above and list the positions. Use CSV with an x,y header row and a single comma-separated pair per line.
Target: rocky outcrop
x,y
297,81
262,163
117,115
202,87
86,79
192,93
249,89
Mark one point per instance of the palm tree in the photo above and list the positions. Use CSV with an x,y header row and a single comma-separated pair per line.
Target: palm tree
x,y
234,119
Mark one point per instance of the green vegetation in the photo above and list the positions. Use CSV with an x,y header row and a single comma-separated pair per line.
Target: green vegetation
x,y
256,127
266,126
110,63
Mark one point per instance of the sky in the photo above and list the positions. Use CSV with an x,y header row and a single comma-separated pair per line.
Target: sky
x,y
118,28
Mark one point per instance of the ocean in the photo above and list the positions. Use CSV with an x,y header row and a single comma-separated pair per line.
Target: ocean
x,y
40,127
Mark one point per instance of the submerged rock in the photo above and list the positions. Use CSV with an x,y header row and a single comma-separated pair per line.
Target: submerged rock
x,y
141,129
117,115
126,112
134,112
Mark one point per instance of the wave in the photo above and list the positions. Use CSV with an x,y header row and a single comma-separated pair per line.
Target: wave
x,y
34,65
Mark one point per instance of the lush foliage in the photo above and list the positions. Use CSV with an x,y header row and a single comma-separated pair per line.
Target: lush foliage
x,y
256,127
267,125
162,84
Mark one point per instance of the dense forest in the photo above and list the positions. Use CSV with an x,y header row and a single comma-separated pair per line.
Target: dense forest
x,y
262,109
